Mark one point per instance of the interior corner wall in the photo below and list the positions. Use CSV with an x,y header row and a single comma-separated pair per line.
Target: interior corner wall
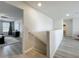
x,y
36,21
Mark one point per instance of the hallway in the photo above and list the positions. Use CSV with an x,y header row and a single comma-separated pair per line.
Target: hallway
x,y
69,48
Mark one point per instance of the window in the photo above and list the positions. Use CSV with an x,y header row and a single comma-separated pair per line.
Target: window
x,y
6,26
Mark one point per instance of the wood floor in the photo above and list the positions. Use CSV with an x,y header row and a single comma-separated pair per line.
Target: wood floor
x,y
14,50
31,54
10,50
69,48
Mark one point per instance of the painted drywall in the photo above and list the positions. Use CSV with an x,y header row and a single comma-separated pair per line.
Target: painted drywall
x,y
57,24
75,26
10,11
36,21
69,27
36,43
42,36
56,37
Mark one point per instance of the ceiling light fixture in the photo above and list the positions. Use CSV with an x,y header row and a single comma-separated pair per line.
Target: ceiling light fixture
x,y
39,4
67,14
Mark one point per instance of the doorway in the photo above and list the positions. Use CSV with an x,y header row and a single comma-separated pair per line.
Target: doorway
x,y
67,27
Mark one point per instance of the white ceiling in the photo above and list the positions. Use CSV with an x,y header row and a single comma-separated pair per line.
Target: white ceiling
x,y
11,11
57,9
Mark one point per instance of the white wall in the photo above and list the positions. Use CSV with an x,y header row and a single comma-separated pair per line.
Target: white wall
x,y
41,35
56,37
57,24
36,21
75,26
9,11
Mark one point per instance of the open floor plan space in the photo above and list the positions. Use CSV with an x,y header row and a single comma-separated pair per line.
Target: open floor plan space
x,y
39,29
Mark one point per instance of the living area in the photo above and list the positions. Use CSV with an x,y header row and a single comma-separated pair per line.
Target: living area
x,y
10,30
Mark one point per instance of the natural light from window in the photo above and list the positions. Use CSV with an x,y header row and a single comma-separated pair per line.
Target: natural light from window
x,y
6,26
